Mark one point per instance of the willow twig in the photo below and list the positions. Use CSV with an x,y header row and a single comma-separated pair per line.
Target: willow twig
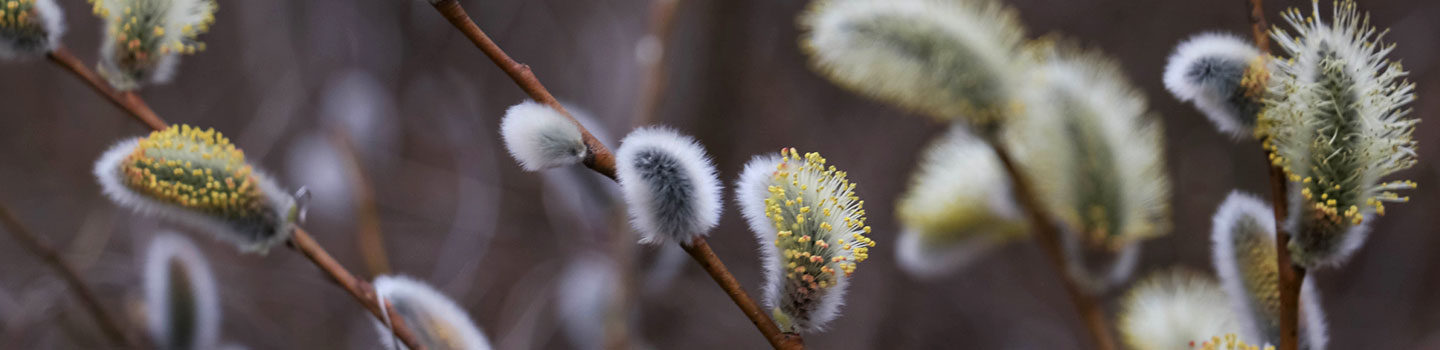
x,y
1291,276
123,99
662,24
77,286
603,162
599,158
1048,237
300,240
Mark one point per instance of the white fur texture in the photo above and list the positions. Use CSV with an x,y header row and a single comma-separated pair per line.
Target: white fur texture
x,y
166,250
107,172
427,307
669,185
1212,54
1081,113
958,206
947,59
751,191
1169,310
172,15
1236,208
52,24
539,137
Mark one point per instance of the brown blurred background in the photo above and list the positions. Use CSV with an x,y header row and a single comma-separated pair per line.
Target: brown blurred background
x,y
423,106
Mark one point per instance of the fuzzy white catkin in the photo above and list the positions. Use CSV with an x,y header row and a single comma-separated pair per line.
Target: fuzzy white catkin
x,y
251,229
1244,256
1092,149
958,207
1208,69
539,137
1169,310
946,59
438,322
669,184
182,302
37,35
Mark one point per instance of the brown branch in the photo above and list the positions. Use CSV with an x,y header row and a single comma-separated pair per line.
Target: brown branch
x,y
603,162
358,288
1048,237
600,159
1291,276
123,99
300,240
700,250
77,286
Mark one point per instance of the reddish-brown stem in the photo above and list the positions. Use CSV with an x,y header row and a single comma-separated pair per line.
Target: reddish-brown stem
x,y
1048,237
369,237
300,240
358,288
124,99
600,159
1291,276
700,250
603,162
107,324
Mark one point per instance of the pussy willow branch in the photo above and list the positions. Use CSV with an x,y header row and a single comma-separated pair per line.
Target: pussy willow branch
x,y
1048,237
599,159
299,240
603,162
662,24
108,325
1291,276
123,99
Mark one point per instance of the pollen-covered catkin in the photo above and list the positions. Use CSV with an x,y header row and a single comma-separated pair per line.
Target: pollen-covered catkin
x,y
812,233
1336,124
29,28
144,39
198,178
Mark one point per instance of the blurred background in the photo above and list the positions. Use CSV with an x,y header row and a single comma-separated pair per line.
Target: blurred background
x,y
525,253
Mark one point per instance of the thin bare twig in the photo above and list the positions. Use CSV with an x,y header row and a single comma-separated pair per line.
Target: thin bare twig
x,y
603,162
123,99
300,240
662,24
1291,276
34,244
599,159
1048,237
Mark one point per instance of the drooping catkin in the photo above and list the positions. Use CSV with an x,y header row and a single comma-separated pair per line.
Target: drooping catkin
x,y
1223,75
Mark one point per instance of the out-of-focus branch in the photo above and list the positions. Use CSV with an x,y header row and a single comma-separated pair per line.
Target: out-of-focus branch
x,y
1048,237
370,239
125,100
108,325
1291,276
603,162
599,159
651,54
299,240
